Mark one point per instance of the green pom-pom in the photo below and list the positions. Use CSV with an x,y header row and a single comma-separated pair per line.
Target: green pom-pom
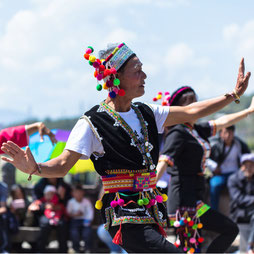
x,y
91,63
91,48
145,201
189,234
99,87
116,82
140,202
195,226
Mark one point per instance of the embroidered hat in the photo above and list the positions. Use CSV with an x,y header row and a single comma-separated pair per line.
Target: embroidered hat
x,y
247,157
106,68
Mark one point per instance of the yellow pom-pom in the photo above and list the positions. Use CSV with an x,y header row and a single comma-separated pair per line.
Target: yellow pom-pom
x,y
188,219
164,197
104,86
159,96
92,58
200,225
98,204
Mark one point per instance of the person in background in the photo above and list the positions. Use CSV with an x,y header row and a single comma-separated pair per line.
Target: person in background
x,y
4,232
224,160
20,134
241,190
184,156
57,182
19,203
53,217
81,212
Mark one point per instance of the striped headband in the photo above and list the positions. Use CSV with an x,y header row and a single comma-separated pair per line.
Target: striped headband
x,y
119,56
178,92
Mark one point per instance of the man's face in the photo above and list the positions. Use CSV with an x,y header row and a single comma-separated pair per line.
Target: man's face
x,y
248,168
227,136
132,79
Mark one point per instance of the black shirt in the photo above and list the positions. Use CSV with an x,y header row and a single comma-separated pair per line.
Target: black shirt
x,y
188,147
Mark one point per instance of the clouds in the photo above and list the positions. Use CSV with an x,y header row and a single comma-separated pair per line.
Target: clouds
x,y
42,44
241,39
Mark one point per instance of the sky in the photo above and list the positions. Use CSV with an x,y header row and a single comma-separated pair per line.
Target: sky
x,y
180,42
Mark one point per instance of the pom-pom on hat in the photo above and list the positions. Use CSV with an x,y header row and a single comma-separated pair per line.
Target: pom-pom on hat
x,y
106,69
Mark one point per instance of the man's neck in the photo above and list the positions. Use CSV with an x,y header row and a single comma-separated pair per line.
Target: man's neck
x,y
119,104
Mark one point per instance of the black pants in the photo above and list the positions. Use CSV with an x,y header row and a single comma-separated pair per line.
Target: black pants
x,y
226,228
143,238
46,228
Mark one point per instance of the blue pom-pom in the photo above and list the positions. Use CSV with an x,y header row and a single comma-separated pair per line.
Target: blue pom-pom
x,y
112,94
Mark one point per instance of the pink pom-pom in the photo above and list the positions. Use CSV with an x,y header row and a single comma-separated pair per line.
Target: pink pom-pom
x,y
116,90
99,76
167,97
185,249
96,65
160,93
113,203
192,240
159,199
148,206
88,51
120,202
152,202
113,70
166,93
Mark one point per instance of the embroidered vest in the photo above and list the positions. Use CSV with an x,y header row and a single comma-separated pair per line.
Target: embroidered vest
x,y
122,149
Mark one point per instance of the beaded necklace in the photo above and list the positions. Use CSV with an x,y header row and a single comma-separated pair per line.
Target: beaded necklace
x,y
204,144
144,148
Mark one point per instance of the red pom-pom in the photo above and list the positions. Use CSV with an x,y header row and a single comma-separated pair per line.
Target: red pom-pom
x,y
201,239
107,72
160,93
164,103
98,61
101,67
95,73
191,223
155,99
86,56
121,92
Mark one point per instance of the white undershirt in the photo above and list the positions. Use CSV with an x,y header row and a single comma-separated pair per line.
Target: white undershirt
x,y
83,140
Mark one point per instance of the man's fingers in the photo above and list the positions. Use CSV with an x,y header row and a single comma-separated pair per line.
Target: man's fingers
x,y
13,146
241,68
7,159
8,151
247,76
